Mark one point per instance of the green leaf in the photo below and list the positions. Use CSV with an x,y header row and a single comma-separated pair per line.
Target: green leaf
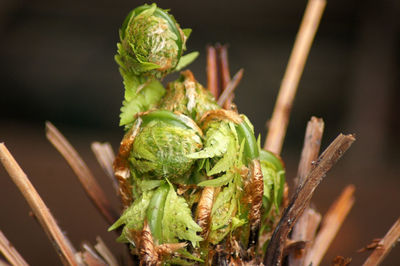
x,y
224,209
273,176
236,223
147,66
184,253
150,184
217,182
187,32
269,178
140,101
186,60
177,220
279,185
216,143
247,121
227,161
133,217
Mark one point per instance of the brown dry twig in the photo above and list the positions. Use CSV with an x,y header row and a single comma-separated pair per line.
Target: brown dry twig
x,y
330,225
61,244
106,254
311,146
307,224
228,91
290,81
105,156
225,75
85,176
10,253
90,256
385,245
302,197
212,71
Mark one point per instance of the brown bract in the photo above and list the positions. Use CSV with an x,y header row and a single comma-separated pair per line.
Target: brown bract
x,y
147,253
218,115
121,164
151,254
256,194
203,212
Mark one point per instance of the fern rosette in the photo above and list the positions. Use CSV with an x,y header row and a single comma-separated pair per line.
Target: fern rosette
x,y
190,173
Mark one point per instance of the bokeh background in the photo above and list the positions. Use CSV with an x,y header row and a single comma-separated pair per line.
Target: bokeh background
x,y
56,61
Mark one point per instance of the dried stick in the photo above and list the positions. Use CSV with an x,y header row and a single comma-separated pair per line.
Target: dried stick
x,y
308,223
225,73
312,144
212,71
290,81
90,257
85,176
224,97
61,243
302,197
103,250
9,252
385,245
105,156
223,65
330,225
305,229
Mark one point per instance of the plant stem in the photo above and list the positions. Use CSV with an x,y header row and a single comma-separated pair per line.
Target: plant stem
x,y
302,197
103,250
85,176
62,245
212,71
228,91
10,253
291,78
225,74
105,156
330,225
385,245
311,147
307,224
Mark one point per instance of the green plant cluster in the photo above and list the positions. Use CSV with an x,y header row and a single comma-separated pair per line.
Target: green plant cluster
x,y
184,142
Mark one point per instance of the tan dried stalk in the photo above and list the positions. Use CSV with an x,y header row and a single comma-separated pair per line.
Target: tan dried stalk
x,y
225,97
103,250
385,245
85,176
302,197
225,73
307,224
311,147
291,78
330,225
10,253
212,71
90,256
60,242
105,156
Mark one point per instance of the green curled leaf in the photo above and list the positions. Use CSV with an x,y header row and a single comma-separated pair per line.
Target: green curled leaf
x,y
152,42
178,223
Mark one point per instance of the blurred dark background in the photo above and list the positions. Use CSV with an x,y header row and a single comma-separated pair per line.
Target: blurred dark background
x,y
56,60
